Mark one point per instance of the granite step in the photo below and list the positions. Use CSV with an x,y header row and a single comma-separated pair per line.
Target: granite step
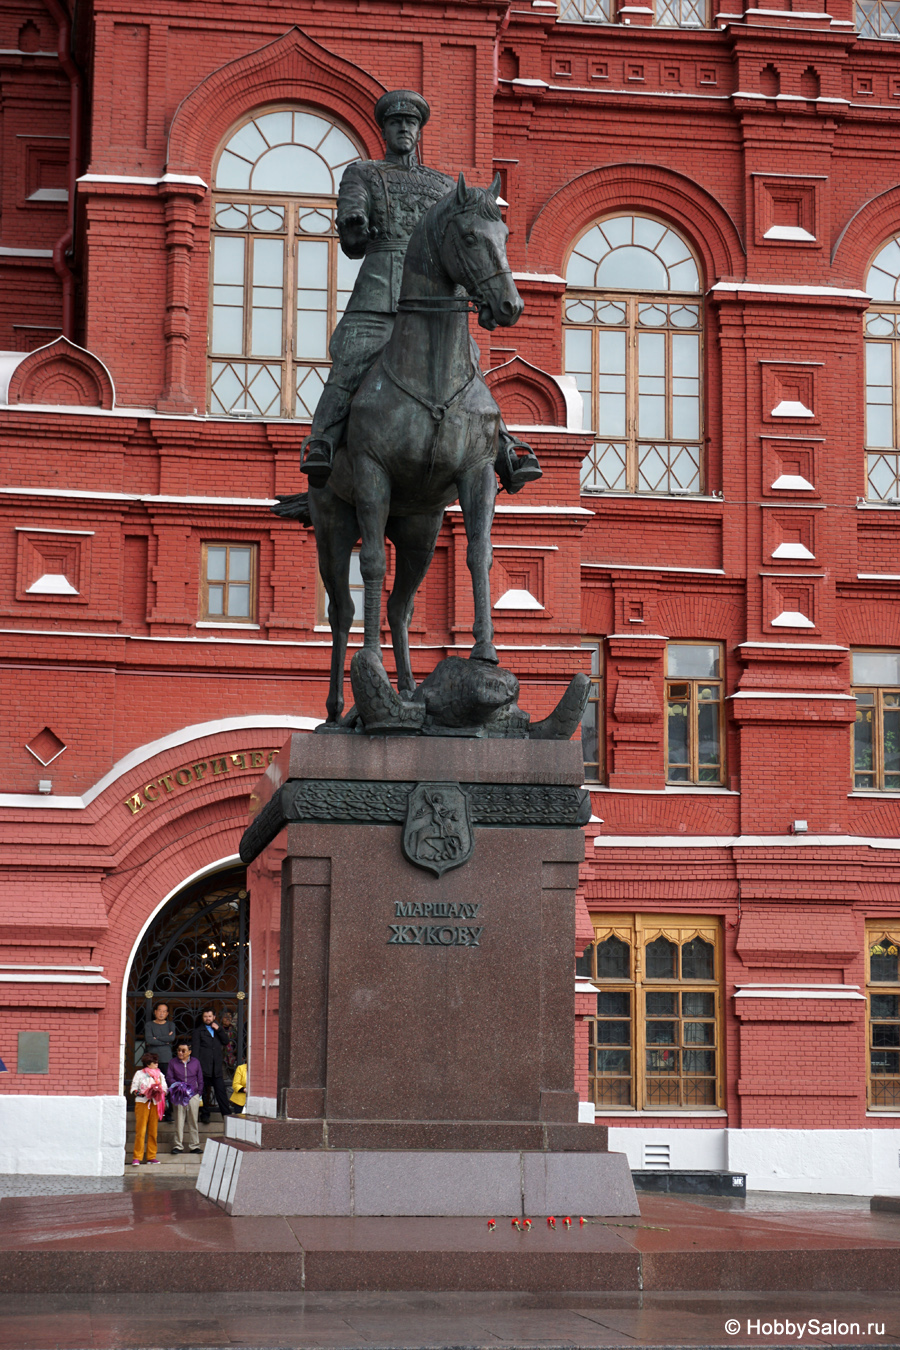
x,y
132,1242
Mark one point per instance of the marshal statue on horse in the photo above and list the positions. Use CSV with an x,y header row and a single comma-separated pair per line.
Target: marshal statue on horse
x,y
406,426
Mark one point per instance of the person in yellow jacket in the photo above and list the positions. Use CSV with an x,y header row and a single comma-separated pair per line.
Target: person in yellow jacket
x,y
239,1087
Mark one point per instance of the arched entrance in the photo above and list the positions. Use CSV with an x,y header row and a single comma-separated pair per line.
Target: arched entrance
x,y
195,952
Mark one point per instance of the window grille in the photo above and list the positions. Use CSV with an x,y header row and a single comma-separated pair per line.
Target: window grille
x,y
634,344
278,279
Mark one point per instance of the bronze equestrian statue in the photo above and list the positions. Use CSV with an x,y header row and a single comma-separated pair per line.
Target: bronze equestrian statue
x,y
405,427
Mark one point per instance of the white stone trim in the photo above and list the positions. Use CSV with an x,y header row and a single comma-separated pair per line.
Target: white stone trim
x,y
670,790
800,991
188,178
799,693
642,567
199,731
61,1135
38,978
810,1162
762,288
533,510
211,623
94,970
797,646
645,841
538,276
262,1106
40,529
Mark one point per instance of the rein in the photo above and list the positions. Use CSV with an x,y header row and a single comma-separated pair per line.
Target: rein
x,y
438,411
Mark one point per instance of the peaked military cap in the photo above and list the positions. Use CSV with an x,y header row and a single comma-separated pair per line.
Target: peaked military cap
x,y
398,102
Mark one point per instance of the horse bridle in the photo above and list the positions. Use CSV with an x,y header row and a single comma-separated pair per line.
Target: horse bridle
x,y
470,303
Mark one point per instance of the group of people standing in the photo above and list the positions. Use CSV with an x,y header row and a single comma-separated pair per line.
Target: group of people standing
x,y
178,1079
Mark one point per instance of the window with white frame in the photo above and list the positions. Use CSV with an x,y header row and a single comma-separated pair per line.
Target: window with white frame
x,y
278,279
882,328
634,343
876,730
592,727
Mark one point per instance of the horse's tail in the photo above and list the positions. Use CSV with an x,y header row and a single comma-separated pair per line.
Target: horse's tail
x,y
295,507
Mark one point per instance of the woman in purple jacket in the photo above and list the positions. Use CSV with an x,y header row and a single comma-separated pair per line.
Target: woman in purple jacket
x,y
185,1079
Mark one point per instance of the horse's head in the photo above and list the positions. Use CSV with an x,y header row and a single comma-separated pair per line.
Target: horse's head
x,y
473,252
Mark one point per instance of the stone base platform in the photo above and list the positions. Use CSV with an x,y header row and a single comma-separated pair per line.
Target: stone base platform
x,y
178,1242
243,1179
498,1136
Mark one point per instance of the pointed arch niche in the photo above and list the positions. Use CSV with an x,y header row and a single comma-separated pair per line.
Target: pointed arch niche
x,y
293,72
279,279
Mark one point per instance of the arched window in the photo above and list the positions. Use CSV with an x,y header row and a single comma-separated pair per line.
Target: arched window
x,y
883,375
633,338
279,281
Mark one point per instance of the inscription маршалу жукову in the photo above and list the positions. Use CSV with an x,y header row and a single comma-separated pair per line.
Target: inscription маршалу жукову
x,y
434,935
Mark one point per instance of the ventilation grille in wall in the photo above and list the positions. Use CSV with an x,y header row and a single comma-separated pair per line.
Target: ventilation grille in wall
x,y
656,1156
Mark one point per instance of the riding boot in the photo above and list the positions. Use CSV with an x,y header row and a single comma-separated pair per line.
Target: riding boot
x,y
513,469
317,460
327,431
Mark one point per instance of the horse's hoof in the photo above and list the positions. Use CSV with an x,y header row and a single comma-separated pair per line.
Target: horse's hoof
x,y
485,651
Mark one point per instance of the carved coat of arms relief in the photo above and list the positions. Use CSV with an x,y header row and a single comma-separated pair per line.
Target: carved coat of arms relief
x,y
438,834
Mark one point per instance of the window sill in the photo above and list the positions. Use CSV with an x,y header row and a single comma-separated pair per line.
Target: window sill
x,y
651,496
610,1112
672,790
892,794
881,1115
209,623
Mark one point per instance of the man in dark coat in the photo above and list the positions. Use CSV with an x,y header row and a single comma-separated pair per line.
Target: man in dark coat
x,y
208,1045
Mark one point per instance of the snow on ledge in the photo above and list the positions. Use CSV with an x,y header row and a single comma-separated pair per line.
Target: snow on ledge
x,y
792,551
52,583
760,287
789,232
792,618
792,482
518,599
791,408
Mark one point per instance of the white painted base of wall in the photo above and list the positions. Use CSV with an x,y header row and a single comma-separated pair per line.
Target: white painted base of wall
x,y
811,1162
62,1136
261,1106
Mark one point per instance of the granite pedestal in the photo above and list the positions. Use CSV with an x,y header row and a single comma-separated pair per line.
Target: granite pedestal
x,y
426,1022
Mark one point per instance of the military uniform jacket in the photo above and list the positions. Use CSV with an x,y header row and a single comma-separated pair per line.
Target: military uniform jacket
x,y
392,198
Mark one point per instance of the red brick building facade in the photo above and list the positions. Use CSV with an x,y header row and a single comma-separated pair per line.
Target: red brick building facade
x,y
702,208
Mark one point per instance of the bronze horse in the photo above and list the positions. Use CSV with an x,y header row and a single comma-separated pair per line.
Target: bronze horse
x,y
422,432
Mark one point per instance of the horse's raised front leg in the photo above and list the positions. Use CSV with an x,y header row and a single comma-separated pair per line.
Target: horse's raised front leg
x,y
414,538
477,495
336,535
373,498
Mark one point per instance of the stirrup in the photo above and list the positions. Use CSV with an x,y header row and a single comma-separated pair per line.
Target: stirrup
x,y
316,463
515,471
